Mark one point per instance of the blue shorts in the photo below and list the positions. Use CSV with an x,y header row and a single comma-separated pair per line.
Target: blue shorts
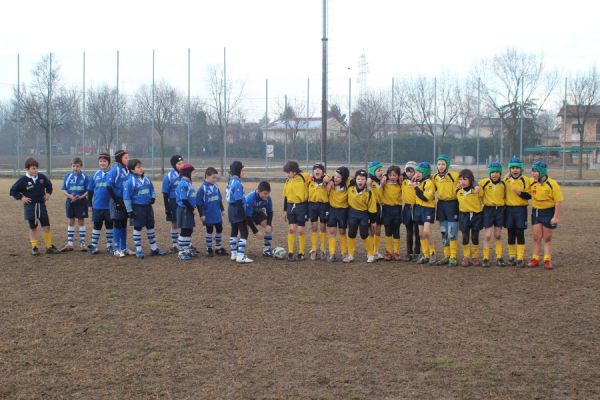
x,y
35,212
392,215
378,215
258,217
447,210
76,209
318,212
493,216
185,218
172,207
99,215
115,214
297,213
359,218
408,212
515,217
423,214
144,216
473,221
543,216
338,218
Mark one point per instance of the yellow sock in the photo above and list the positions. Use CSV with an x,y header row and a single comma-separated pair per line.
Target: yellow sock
x,y
547,257
535,257
498,249
369,245
313,241
323,241
453,248
475,250
486,253
331,245
344,244
446,251
389,244
376,243
301,243
351,246
466,251
290,242
47,239
520,251
425,248
34,243
396,245
512,250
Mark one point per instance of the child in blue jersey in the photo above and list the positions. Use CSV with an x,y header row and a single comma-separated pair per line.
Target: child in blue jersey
x,y
116,176
74,187
258,207
99,202
139,196
169,185
210,208
185,196
236,214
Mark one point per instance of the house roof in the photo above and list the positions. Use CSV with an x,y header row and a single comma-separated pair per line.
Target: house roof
x,y
298,123
572,111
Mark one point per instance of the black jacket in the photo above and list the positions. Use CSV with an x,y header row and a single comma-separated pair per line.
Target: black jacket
x,y
25,186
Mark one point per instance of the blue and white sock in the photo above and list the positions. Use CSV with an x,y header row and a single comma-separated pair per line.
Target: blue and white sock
x,y
233,244
268,239
82,234
184,244
70,234
96,237
152,238
218,243
241,248
137,240
109,237
174,236
208,237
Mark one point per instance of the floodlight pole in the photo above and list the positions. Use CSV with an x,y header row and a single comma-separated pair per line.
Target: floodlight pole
x,y
324,89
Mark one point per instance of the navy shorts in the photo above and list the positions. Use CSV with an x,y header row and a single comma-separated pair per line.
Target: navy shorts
x,y
392,215
338,218
172,207
297,213
447,210
144,216
423,214
515,217
35,212
378,215
493,216
115,214
258,217
468,221
543,216
101,216
408,212
76,209
318,212
358,218
185,218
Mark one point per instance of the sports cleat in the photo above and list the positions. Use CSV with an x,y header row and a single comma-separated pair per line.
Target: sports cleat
x,y
331,258
139,254
174,249
378,256
268,253
423,260
82,246
415,257
92,249
476,262
290,257
35,251
157,252
466,262
300,257
53,250
533,263
500,262
129,252
233,255
512,262
348,259
485,263
209,252
397,257
221,252
388,256
66,247
110,249
313,255
120,253
184,256
243,260
322,255
432,259
443,261
520,264
548,264
408,257
371,259
452,262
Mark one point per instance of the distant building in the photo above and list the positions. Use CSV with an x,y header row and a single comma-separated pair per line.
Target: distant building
x,y
277,129
569,137
488,127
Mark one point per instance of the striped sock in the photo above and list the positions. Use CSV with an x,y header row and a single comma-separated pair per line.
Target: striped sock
x,y
137,240
152,238
82,234
109,237
70,234
174,236
241,248
233,244
209,239
95,237
184,244
268,239
218,241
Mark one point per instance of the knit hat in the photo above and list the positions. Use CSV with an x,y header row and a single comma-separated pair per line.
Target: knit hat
x,y
515,162
119,155
104,156
540,167
494,166
410,164
374,166
175,159
319,166
235,169
186,170
424,168
445,158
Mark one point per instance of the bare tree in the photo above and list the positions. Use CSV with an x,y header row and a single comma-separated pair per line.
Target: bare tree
x,y
102,114
168,106
369,115
399,108
584,94
224,102
294,118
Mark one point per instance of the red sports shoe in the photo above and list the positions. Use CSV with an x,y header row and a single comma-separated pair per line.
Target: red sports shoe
x,y
397,257
533,263
547,264
388,256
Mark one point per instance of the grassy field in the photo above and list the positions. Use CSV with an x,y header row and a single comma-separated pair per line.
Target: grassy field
x,y
82,326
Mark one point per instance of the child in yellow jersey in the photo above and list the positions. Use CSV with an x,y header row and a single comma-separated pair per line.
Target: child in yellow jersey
x,y
375,182
424,212
446,182
493,189
547,202
470,216
361,213
295,203
337,220
409,198
391,198
517,198
318,210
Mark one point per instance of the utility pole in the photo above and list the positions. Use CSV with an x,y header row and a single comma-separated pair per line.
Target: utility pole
x,y
324,89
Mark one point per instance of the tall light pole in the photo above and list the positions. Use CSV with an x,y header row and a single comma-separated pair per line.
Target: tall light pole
x,y
118,113
152,116
83,116
188,106
324,89
18,111
307,118
349,119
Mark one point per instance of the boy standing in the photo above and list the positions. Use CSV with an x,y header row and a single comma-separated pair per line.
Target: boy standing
x,y
295,204
259,211
116,177
517,198
74,187
210,208
33,190
494,193
185,195
236,214
446,182
169,185
409,197
318,210
99,201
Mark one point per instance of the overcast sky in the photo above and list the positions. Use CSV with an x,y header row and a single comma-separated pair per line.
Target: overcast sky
x,y
281,40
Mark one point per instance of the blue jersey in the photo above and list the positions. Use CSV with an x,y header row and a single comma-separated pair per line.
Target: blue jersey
x,y
254,204
170,182
138,190
210,199
75,184
116,177
98,185
234,191
185,191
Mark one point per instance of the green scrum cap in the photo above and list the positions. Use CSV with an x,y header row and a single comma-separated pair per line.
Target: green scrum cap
x,y
446,159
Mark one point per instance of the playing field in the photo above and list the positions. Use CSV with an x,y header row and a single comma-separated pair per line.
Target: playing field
x,y
80,326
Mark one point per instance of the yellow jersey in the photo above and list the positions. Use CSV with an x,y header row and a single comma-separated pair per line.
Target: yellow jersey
x,y
494,194
469,201
362,201
545,194
295,190
338,196
317,192
428,189
391,194
377,190
409,196
446,185
521,183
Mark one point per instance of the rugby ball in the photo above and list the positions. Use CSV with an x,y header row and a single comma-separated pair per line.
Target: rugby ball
x,y
279,253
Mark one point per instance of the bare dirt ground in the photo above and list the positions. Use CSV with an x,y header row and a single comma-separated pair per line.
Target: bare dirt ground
x,y
81,326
